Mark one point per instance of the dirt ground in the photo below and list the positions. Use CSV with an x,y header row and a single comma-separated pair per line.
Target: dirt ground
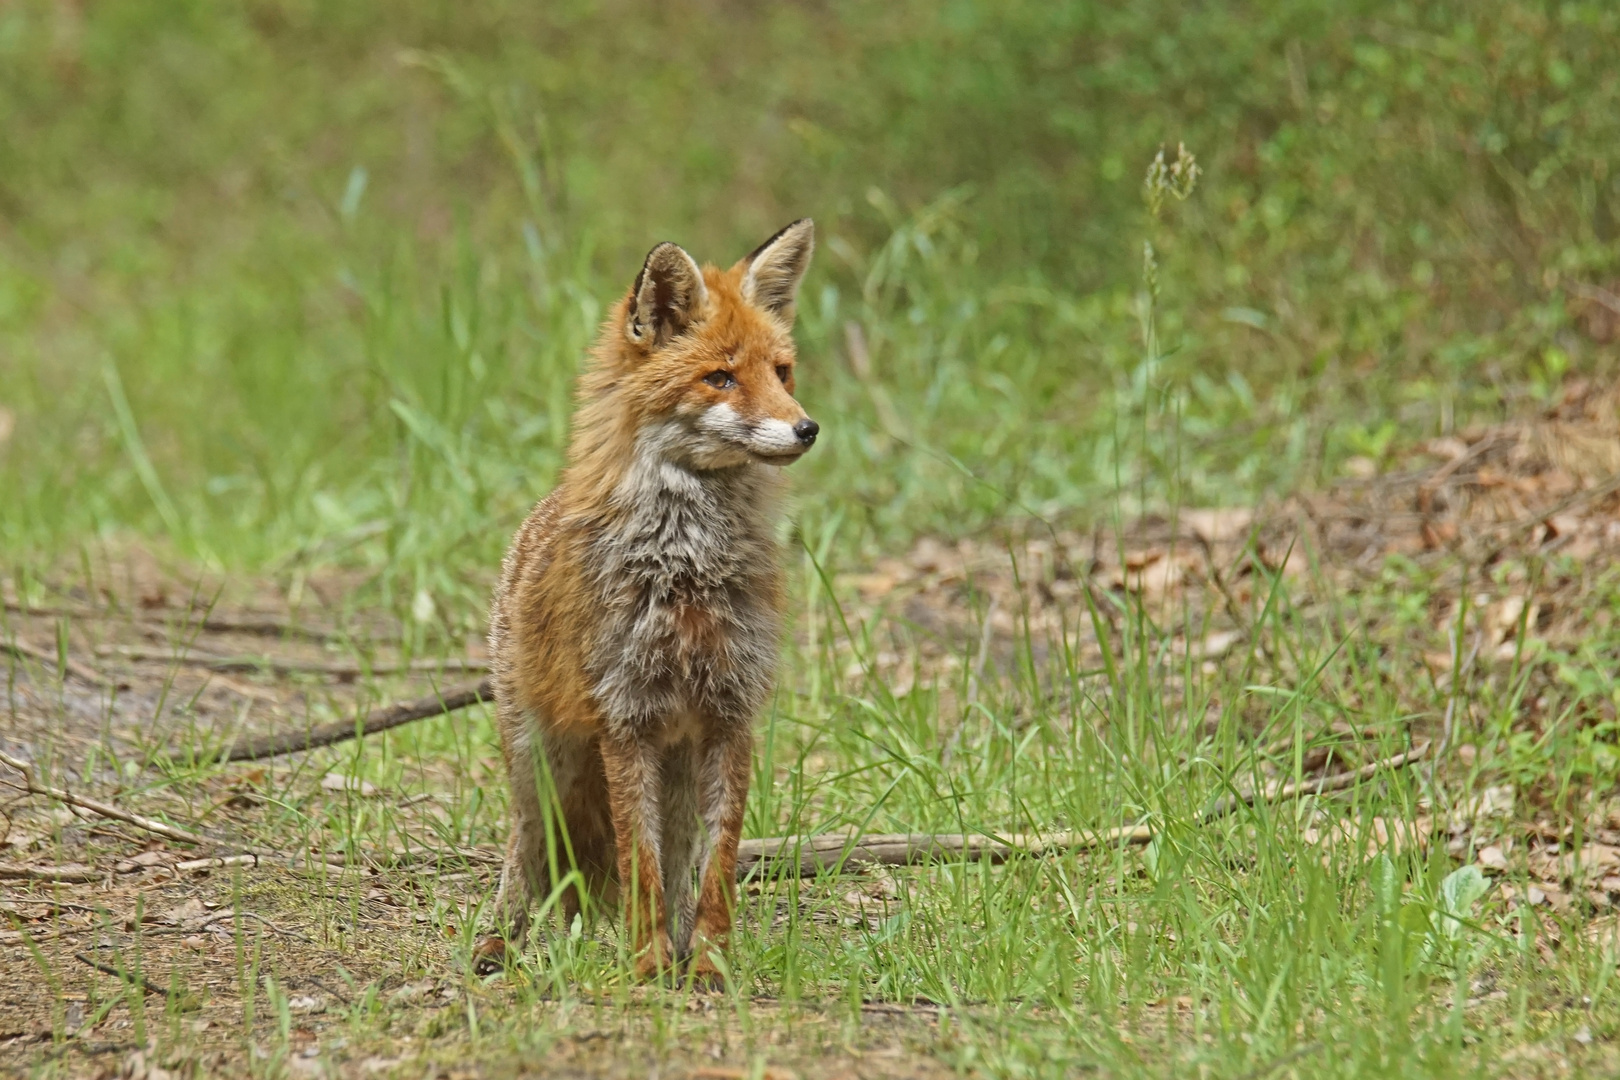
x,y
109,932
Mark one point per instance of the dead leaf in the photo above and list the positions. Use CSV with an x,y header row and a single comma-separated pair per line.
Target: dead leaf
x,y
1591,862
1447,448
1217,645
1548,894
411,993
1360,467
338,782
871,586
1219,525
137,1067
183,913
21,837
144,860
1492,859
1494,802
876,894
1604,931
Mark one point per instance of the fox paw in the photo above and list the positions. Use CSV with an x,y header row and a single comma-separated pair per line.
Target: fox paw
x,y
704,972
489,955
656,963
705,980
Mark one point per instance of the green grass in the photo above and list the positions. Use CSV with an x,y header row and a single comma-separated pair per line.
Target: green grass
x,y
341,266
1229,947
287,287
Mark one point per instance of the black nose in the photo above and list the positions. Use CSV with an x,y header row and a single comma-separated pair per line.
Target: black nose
x,y
806,430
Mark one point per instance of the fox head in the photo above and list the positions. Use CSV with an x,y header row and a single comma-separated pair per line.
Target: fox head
x,y
703,362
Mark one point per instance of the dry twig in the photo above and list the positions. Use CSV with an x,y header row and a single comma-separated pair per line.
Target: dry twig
x,y
382,719
70,666
96,806
71,873
126,976
1320,786
266,625
835,851
285,666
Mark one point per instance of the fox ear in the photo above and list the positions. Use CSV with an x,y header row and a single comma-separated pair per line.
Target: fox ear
x,y
776,267
666,298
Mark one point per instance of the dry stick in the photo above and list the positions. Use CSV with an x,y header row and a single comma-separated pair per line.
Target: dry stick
x,y
216,863
71,873
1504,533
1444,472
247,623
1336,782
282,665
1233,608
268,626
108,969
841,850
815,853
382,719
95,806
828,850
20,648
18,937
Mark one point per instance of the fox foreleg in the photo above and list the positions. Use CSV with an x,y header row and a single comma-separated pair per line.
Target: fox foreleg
x,y
724,761
633,775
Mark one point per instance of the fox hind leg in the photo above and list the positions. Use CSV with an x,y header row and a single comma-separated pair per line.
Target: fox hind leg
x,y
523,873
558,825
585,843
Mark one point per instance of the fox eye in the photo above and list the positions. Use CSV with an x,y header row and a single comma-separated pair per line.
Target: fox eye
x,y
720,380
782,372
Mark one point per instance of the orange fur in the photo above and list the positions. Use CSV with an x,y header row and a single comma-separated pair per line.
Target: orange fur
x,y
633,633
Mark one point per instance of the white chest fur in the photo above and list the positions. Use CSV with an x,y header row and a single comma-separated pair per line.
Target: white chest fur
x,y
684,573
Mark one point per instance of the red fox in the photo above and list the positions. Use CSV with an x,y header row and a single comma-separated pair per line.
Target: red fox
x,y
635,629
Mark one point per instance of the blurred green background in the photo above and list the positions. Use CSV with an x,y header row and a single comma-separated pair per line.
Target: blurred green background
x,y
282,280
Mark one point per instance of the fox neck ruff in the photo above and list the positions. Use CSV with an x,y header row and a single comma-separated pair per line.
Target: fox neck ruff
x,y
684,562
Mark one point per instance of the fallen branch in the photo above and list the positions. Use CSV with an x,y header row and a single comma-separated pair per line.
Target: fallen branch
x,y
845,851
382,719
827,851
19,937
70,873
22,649
128,977
285,666
218,863
232,913
96,806
1337,782
267,626
261,624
